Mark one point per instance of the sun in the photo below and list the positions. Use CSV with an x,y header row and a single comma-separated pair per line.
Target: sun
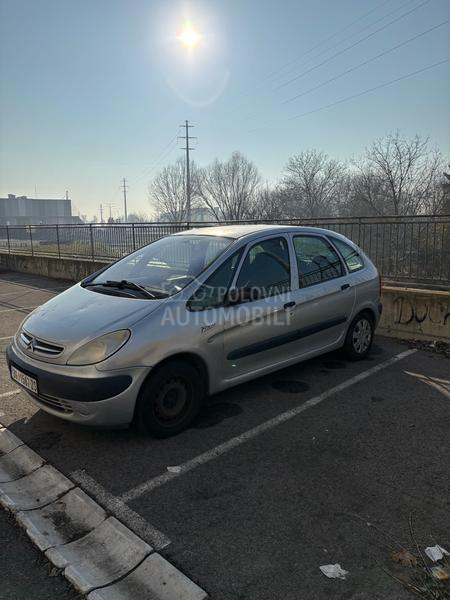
x,y
188,36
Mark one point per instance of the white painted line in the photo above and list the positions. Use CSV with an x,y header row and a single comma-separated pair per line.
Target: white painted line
x,y
7,337
18,463
18,308
11,393
99,558
72,516
212,454
118,508
154,579
41,487
8,441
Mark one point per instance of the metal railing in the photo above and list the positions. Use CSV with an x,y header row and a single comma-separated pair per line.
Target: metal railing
x,y
413,250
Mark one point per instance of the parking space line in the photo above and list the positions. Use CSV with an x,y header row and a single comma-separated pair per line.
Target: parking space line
x,y
19,308
119,509
7,337
12,393
214,453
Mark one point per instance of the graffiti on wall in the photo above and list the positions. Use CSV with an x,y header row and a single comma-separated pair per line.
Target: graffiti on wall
x,y
421,310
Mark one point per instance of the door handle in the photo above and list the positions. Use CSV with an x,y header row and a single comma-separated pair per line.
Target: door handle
x,y
345,286
289,305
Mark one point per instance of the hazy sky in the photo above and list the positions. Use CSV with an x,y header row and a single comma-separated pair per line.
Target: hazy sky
x,y
93,91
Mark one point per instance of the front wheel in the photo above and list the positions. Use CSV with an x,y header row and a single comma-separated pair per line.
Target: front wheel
x,y
359,337
169,400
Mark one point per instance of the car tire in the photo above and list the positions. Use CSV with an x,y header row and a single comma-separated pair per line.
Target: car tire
x,y
169,399
359,338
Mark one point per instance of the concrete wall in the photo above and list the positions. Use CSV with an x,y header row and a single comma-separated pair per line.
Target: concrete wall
x,y
407,313
70,269
415,314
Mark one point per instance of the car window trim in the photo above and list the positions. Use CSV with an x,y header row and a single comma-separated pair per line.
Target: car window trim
x,y
325,238
260,240
358,252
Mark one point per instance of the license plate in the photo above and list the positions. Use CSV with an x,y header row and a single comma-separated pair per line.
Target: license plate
x,y
28,382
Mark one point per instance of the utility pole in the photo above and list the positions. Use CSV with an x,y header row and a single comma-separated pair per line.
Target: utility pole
x,y
186,138
124,190
67,194
101,213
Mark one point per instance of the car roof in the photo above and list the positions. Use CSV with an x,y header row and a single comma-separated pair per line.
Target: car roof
x,y
238,231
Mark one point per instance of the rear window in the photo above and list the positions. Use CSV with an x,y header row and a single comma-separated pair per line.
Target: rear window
x,y
351,257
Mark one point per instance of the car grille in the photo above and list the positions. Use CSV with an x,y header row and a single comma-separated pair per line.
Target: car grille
x,y
55,403
35,345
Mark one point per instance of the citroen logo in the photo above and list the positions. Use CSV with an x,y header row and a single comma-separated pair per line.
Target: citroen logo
x,y
30,344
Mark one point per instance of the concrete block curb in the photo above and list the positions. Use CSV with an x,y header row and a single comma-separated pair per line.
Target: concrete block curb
x,y
19,462
71,517
8,441
101,557
154,579
41,487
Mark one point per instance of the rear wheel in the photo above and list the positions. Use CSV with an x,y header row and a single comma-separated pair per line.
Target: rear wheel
x,y
169,400
359,337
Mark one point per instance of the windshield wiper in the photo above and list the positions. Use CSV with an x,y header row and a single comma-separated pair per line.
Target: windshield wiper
x,y
123,285
129,285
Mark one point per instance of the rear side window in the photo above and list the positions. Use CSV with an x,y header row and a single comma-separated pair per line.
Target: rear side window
x,y
317,261
351,257
213,292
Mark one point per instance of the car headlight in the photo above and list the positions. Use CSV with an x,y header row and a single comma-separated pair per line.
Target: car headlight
x,y
99,349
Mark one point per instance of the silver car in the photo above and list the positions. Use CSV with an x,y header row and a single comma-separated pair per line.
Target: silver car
x,y
148,337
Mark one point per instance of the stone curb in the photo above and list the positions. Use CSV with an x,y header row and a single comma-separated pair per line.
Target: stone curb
x,y
62,521
8,441
37,489
99,555
154,579
19,462
102,556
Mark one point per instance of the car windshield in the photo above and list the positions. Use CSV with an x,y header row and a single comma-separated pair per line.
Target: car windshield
x,y
166,266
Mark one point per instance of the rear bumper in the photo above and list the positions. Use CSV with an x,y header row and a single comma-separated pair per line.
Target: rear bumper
x,y
81,394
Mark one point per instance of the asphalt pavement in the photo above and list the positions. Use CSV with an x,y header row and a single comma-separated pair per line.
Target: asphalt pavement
x,y
344,463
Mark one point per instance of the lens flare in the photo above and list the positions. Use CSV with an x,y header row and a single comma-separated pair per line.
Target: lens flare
x,y
188,36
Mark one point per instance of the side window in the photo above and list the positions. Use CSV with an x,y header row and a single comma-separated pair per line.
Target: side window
x,y
351,257
213,292
317,261
266,270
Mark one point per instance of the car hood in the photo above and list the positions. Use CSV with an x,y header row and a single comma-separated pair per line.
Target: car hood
x,y
79,315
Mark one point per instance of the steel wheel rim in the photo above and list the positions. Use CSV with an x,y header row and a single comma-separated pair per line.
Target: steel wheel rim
x,y
172,401
362,335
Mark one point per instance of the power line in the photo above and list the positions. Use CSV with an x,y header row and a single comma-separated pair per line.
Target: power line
x,y
187,148
369,60
372,89
403,15
164,153
324,41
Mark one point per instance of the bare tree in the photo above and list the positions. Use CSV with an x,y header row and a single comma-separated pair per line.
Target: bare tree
x,y
312,181
167,192
399,176
229,189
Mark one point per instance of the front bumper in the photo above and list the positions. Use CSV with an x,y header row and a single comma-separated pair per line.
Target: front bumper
x,y
81,394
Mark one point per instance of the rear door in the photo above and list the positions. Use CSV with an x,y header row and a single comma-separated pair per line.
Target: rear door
x,y
324,297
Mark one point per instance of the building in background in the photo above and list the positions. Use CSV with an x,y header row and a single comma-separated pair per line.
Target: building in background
x,y
20,210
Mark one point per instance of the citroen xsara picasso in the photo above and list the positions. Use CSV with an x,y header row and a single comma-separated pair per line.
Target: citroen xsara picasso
x,y
146,338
